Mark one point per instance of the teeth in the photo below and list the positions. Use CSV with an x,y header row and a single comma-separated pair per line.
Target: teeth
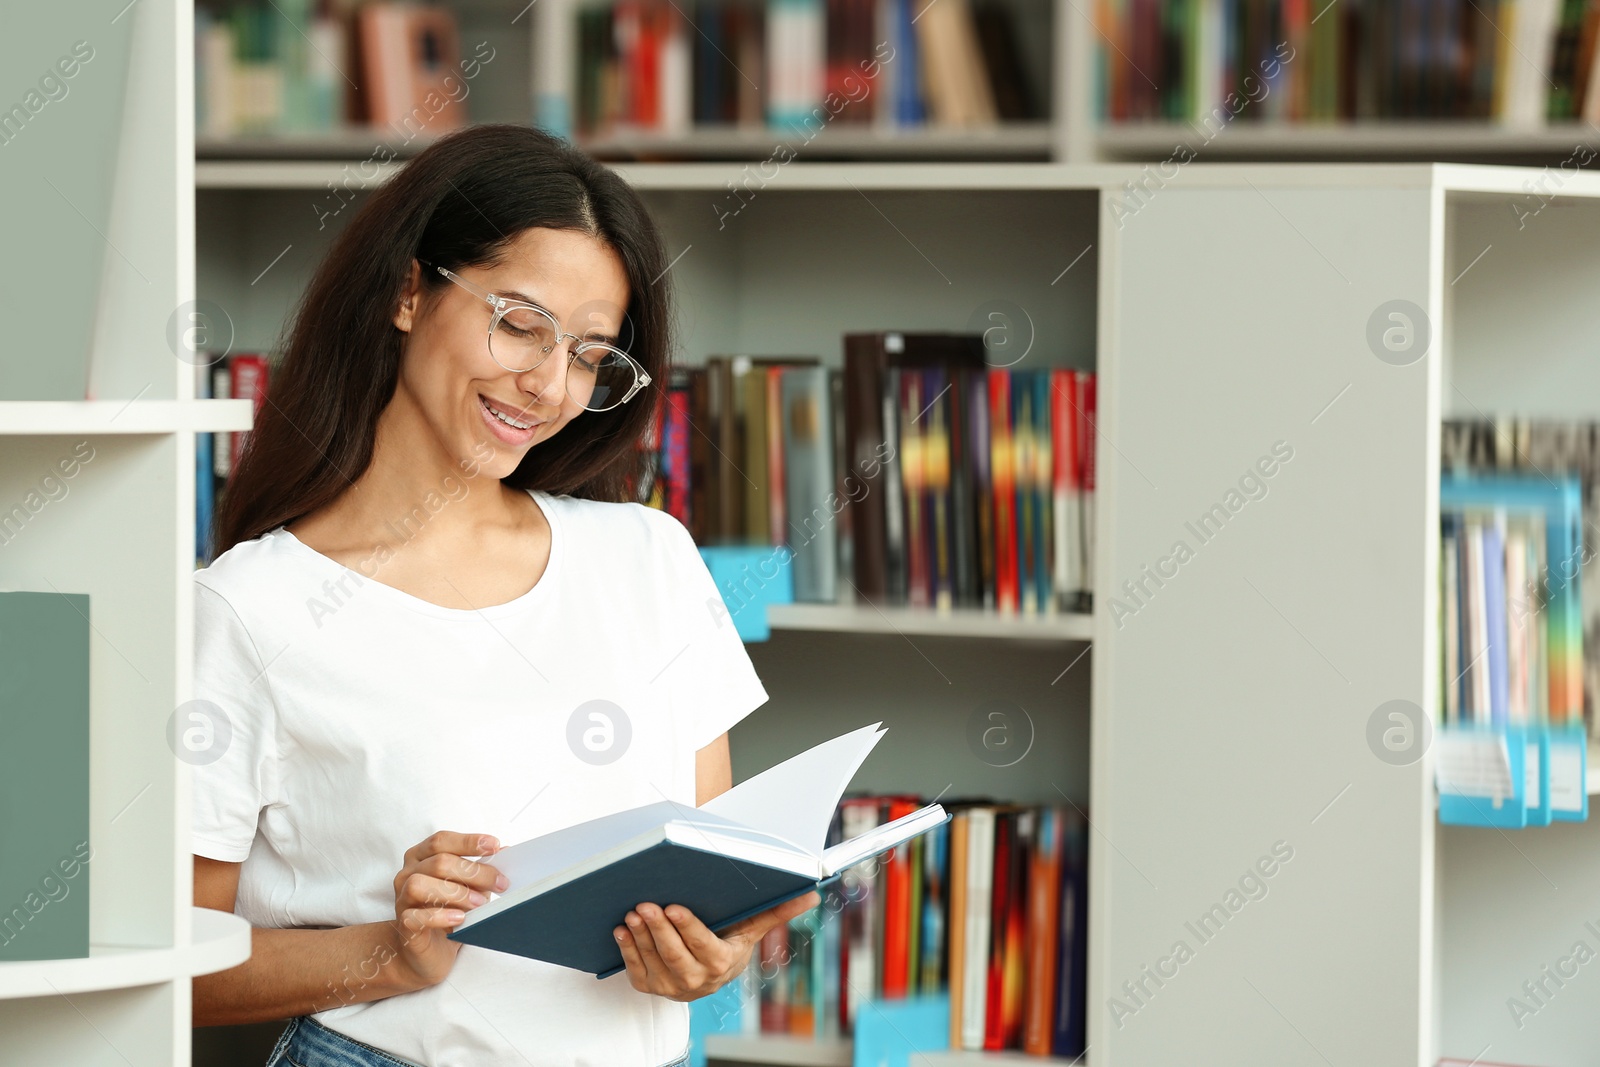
x,y
507,419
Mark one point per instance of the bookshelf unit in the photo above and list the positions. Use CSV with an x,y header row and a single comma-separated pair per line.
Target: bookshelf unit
x,y
528,80
1228,713
121,532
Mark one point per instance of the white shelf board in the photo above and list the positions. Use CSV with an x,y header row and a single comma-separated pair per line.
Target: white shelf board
x,y
1012,1058
1393,139
864,141
65,417
1014,140
220,940
964,622
779,1049
804,1052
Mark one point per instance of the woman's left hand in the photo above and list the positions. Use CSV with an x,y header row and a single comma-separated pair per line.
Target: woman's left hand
x,y
672,954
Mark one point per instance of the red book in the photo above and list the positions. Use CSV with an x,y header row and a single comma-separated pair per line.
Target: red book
x,y
675,447
1002,477
897,911
248,376
999,909
1088,402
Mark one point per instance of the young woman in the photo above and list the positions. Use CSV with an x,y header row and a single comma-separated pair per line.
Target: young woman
x,y
436,627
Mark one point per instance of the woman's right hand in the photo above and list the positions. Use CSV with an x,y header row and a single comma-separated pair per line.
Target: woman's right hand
x,y
433,893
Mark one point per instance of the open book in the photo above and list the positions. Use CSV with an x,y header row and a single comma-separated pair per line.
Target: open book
x,y
750,849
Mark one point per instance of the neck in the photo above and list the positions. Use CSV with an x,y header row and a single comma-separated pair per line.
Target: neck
x,y
416,490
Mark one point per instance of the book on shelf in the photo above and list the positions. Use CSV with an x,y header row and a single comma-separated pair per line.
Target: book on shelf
x,y
987,909
241,376
1518,62
1540,449
315,66
1512,744
44,774
571,888
917,475
797,66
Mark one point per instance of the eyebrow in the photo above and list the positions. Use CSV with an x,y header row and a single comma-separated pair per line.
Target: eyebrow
x,y
591,335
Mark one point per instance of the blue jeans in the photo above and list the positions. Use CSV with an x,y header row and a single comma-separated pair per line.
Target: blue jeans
x,y
307,1043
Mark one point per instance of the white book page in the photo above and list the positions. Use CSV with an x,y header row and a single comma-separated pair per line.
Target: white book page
x,y
795,799
882,838
540,857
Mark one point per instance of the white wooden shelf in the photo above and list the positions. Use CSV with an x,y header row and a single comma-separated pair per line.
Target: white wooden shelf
x,y
779,1049
1012,140
1382,139
1012,1058
804,1052
220,940
965,622
51,417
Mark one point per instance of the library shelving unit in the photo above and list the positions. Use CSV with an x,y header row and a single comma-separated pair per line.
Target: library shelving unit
x,y
531,76
123,533
1223,710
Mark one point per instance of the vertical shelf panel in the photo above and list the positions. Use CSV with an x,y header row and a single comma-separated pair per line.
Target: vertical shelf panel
x,y
1240,317
110,534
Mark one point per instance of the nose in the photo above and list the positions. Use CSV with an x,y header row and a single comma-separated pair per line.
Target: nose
x,y
548,381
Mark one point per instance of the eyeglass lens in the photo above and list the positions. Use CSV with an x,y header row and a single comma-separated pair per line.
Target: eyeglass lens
x,y
597,377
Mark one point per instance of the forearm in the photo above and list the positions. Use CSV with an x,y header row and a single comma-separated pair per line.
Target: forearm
x,y
296,972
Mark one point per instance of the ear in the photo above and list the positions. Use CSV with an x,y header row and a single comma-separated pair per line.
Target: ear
x,y
410,297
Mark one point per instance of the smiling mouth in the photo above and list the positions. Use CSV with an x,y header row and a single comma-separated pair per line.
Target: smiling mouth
x,y
507,418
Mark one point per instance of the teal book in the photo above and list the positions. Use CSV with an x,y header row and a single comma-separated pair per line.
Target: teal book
x,y
44,776
749,849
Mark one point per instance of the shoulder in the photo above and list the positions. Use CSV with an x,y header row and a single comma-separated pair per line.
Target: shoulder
x,y
255,579
634,528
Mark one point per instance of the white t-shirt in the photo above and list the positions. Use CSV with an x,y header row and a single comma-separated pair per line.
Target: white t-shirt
x,y
361,719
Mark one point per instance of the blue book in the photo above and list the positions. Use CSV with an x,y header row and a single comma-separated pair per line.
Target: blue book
x,y
1494,611
750,849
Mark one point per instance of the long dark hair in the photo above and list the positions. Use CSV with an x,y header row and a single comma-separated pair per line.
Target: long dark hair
x,y
459,203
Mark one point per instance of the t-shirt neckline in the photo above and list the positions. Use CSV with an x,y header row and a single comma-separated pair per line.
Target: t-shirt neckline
x,y
519,603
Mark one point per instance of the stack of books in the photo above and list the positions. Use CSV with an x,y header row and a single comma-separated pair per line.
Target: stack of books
x,y
657,66
1541,454
990,908
306,67
242,376
1213,61
919,475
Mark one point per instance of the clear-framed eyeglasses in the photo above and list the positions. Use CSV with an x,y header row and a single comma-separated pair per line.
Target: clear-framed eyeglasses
x,y
600,376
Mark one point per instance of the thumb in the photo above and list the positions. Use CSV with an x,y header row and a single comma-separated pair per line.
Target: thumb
x,y
753,928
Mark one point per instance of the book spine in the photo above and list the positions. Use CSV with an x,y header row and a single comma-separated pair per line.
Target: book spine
x,y
808,462
1040,484
981,442
893,504
980,882
1088,403
249,373
1002,473
913,476
936,461
863,418
955,929
994,1025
